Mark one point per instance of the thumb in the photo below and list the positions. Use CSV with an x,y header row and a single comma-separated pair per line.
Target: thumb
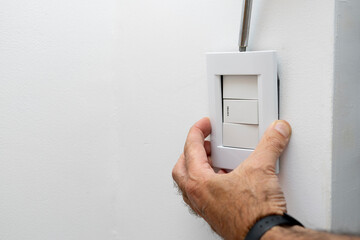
x,y
271,145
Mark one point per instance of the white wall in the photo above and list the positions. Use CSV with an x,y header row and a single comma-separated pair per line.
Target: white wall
x,y
96,99
303,34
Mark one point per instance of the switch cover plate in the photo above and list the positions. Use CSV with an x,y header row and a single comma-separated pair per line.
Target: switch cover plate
x,y
245,82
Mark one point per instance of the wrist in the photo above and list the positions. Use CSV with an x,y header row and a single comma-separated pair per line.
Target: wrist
x,y
267,223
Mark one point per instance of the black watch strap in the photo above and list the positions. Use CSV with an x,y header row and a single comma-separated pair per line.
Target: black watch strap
x,y
266,223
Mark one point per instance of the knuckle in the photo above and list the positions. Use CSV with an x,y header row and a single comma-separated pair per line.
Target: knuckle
x,y
178,175
174,173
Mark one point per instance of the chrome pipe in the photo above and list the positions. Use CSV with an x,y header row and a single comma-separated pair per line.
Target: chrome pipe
x,y
245,25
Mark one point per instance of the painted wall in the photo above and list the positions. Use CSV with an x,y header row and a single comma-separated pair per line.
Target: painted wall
x,y
303,34
96,99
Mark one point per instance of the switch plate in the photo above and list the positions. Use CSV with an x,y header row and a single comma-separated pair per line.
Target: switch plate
x,y
240,76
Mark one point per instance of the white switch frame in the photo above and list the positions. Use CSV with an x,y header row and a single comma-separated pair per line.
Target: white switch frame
x,y
260,63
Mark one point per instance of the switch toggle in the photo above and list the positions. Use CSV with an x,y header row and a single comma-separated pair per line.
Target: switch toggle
x,y
240,135
240,86
241,111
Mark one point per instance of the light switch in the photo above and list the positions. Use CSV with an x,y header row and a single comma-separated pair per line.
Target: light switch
x,y
240,135
240,86
241,111
243,103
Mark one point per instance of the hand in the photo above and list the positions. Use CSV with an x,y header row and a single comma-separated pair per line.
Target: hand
x,y
232,203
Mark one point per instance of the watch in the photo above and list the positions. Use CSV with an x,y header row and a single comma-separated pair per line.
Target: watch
x,y
266,223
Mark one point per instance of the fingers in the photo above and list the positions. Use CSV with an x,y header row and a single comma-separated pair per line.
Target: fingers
x,y
180,177
196,150
272,144
198,132
195,163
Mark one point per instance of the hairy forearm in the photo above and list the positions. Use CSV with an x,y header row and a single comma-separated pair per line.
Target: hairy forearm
x,y
299,233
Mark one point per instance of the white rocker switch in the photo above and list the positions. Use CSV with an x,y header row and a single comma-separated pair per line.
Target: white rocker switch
x,y
240,135
240,87
241,111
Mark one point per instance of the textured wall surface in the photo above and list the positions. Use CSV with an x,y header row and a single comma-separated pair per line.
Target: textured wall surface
x,y
96,99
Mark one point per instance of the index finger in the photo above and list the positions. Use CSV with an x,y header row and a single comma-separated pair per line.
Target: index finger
x,y
196,159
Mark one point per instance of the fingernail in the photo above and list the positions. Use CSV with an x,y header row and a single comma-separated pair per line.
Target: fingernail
x,y
282,128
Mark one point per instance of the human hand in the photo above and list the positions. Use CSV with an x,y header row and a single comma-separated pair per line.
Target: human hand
x,y
232,203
